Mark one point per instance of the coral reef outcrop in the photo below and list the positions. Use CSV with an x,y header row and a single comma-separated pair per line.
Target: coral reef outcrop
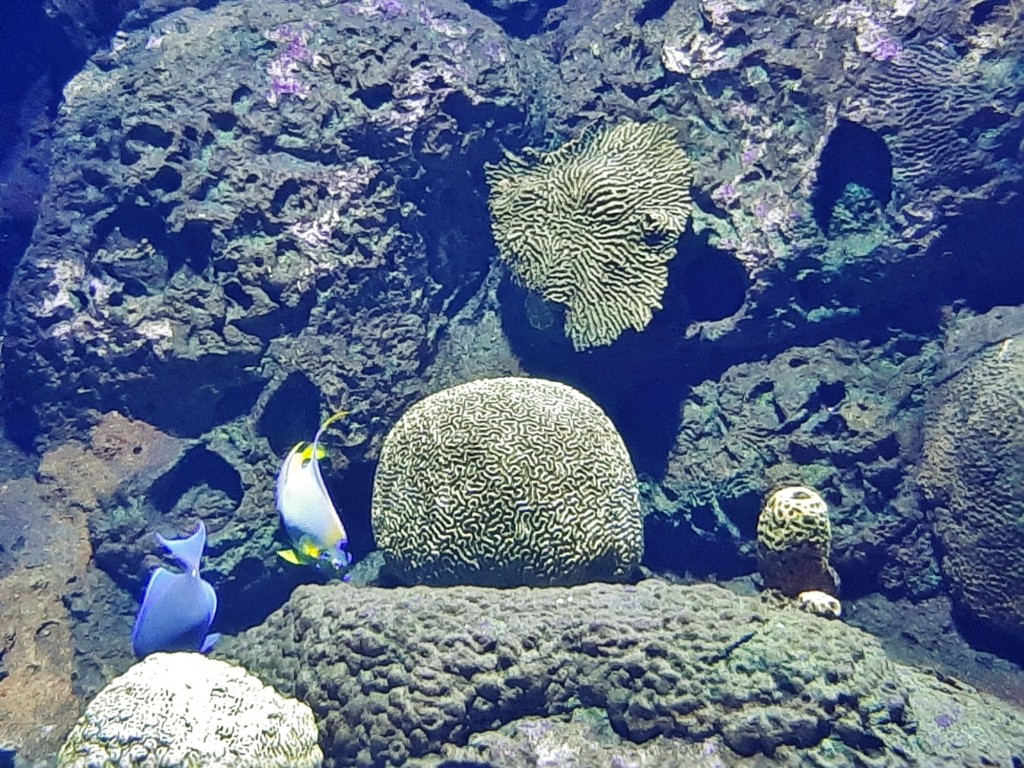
x,y
395,674
973,474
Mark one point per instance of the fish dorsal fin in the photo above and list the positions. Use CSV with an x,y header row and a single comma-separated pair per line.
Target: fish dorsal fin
x,y
187,551
316,449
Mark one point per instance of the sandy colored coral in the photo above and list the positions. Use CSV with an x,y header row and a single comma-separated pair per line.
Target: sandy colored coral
x,y
972,476
178,710
593,224
820,604
794,539
503,482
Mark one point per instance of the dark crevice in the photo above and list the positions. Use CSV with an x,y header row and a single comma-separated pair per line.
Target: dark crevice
x,y
198,467
714,283
640,378
651,10
292,413
517,19
983,11
376,96
853,155
189,397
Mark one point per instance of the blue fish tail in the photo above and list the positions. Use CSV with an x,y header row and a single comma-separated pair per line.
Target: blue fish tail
x,y
187,551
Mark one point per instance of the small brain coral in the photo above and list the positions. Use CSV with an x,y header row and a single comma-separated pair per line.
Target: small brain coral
x,y
593,224
794,539
502,482
184,709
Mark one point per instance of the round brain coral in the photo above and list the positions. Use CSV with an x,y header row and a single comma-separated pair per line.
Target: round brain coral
x,y
593,224
794,539
184,709
503,482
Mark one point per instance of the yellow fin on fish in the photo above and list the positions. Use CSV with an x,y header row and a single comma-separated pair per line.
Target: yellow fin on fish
x,y
305,552
307,451
290,556
327,422
308,550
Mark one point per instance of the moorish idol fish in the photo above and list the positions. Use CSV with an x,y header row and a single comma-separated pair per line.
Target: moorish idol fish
x,y
307,512
178,608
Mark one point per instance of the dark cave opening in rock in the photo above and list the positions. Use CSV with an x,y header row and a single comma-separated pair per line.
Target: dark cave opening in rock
x,y
650,10
856,155
688,548
713,283
984,637
980,254
451,195
198,467
352,494
517,19
640,379
985,10
188,397
292,413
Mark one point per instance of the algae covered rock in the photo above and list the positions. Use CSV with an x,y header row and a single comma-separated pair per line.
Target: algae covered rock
x,y
394,675
184,710
503,482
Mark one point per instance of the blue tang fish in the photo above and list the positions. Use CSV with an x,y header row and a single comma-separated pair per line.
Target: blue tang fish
x,y
178,608
307,512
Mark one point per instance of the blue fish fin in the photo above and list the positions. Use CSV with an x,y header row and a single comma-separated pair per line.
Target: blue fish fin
x,y
148,622
209,642
187,551
211,600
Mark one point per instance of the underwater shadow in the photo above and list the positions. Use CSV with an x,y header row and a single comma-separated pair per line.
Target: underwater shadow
x,y
641,378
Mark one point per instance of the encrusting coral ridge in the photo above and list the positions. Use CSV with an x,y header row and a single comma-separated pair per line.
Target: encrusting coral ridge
x,y
398,674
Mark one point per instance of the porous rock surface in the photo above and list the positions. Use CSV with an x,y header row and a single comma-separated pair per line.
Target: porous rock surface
x,y
394,674
270,251
973,472
244,189
842,417
827,130
584,738
506,482
260,226
44,553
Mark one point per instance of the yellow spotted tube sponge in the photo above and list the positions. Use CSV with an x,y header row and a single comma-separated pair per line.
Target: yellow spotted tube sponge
x,y
794,540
